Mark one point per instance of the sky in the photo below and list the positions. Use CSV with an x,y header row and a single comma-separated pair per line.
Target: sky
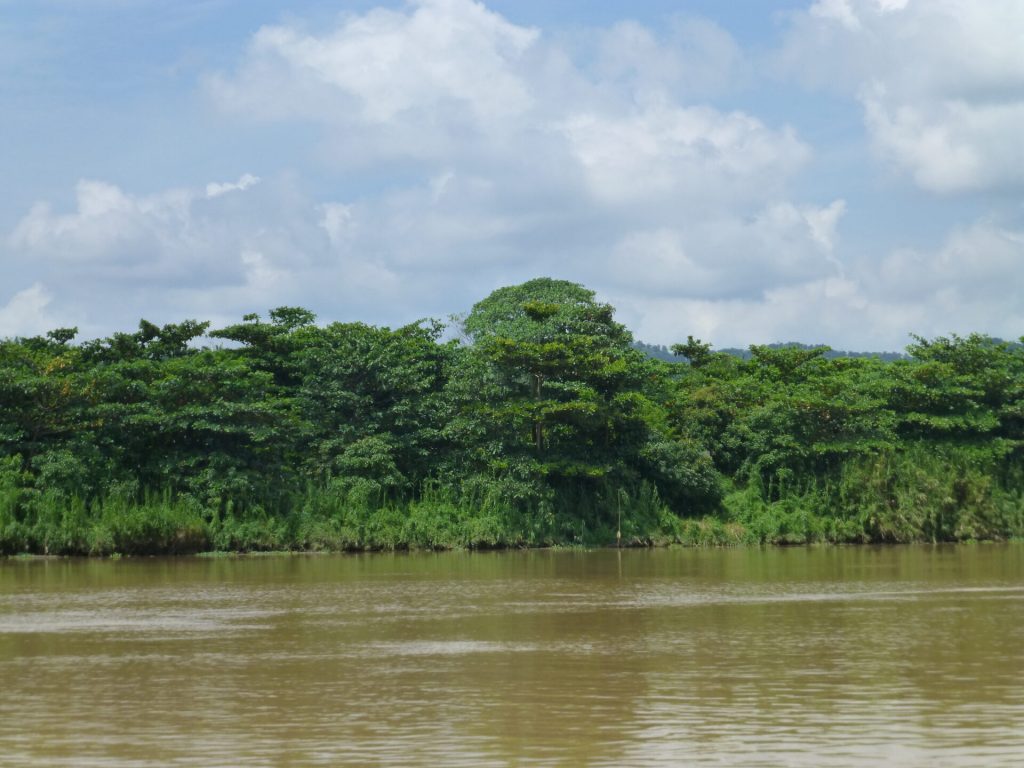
x,y
845,172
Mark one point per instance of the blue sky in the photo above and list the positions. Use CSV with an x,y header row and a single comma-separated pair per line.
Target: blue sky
x,y
829,171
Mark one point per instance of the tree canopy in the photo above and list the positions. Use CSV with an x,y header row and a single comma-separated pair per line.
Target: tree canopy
x,y
545,424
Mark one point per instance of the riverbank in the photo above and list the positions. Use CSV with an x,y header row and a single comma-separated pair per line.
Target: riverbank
x,y
168,526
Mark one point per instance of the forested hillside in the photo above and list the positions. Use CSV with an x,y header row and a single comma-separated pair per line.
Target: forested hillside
x,y
543,424
661,352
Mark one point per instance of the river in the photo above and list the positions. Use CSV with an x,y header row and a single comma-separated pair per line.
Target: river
x,y
839,656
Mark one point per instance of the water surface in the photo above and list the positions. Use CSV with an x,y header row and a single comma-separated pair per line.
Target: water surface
x,y
799,657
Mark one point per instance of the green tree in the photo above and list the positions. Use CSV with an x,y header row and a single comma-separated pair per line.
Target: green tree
x,y
551,391
372,398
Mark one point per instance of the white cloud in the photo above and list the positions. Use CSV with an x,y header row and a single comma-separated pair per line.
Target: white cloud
x,y
469,152
215,189
941,82
848,13
527,162
813,311
106,220
979,265
692,56
665,150
728,257
26,313
337,221
450,55
950,146
658,260
449,82
970,283
822,223
836,10
123,254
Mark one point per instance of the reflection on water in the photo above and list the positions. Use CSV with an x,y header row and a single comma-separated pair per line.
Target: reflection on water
x,y
801,657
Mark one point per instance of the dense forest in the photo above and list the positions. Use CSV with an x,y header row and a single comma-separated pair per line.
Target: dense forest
x,y
540,423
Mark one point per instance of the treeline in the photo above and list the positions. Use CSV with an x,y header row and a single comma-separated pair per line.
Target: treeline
x,y
662,352
541,424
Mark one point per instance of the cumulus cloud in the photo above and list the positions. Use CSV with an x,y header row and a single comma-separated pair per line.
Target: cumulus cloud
x,y
27,313
969,283
691,56
106,220
229,248
519,160
457,151
417,82
451,82
664,150
118,252
977,265
813,311
941,82
727,258
952,146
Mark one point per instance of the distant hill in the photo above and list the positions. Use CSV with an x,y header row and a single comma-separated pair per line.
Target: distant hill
x,y
832,354
661,352
657,351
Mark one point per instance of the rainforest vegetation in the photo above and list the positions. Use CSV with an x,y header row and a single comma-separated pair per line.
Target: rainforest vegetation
x,y
534,420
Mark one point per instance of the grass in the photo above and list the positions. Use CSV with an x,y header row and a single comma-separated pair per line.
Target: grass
x,y
911,496
915,495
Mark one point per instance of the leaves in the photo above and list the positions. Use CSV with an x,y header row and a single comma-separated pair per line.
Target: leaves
x,y
546,414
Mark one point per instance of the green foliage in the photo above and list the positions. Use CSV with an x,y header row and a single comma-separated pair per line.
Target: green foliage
x,y
694,351
543,310
545,426
372,400
552,392
157,525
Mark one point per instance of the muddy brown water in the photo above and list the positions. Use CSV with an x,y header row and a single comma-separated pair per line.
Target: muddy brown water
x,y
748,657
